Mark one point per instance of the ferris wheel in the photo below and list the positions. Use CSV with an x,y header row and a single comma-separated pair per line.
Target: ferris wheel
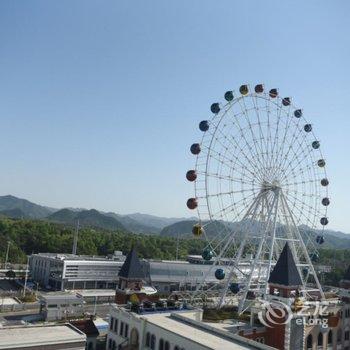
x,y
260,181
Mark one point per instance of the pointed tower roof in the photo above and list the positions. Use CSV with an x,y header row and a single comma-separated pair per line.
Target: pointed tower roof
x,y
285,272
132,267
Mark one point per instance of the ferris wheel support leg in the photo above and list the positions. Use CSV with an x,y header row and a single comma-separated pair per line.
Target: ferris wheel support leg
x,y
304,250
273,236
256,258
251,211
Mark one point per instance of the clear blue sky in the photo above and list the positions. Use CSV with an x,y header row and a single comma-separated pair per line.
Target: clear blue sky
x,y
100,100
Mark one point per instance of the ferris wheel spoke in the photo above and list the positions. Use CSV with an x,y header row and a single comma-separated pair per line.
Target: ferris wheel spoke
x,y
296,155
236,144
297,167
252,160
227,177
301,213
276,136
227,193
235,157
300,182
295,136
215,215
251,175
314,210
303,194
262,146
255,141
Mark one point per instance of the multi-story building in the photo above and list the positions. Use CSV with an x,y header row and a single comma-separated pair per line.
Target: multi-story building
x,y
68,271
61,305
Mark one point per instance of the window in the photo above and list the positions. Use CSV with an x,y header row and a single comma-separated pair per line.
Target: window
x,y
339,335
91,346
161,344
166,346
309,342
109,343
330,337
148,339
176,347
111,325
153,342
115,325
320,339
126,332
121,330
347,335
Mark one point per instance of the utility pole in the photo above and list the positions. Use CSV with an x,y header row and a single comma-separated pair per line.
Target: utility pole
x,y
7,253
75,239
26,278
177,247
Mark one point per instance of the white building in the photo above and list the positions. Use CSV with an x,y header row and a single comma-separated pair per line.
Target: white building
x,y
48,337
181,330
68,271
60,306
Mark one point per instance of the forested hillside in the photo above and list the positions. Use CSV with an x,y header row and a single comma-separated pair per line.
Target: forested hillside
x,y
33,236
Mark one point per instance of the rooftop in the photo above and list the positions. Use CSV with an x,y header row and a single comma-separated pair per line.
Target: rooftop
x,y
33,336
184,324
60,296
58,256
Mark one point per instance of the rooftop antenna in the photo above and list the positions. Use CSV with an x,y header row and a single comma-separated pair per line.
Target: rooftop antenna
x,y
75,239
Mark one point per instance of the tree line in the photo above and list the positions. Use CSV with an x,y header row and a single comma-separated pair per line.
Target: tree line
x,y
36,236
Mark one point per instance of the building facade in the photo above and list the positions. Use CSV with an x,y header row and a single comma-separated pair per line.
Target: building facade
x,y
68,271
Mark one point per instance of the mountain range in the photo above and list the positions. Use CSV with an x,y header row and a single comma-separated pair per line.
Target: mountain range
x,y
11,206
14,207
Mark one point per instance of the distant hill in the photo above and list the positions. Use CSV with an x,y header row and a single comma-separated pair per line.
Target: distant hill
x,y
183,229
134,225
155,221
91,218
28,209
18,208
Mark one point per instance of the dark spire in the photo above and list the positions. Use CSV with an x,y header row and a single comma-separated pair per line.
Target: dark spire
x,y
285,272
132,267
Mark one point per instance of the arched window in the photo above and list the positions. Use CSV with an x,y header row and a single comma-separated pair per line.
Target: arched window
x,y
339,335
320,339
176,347
167,346
148,339
330,337
309,341
161,344
114,346
153,342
